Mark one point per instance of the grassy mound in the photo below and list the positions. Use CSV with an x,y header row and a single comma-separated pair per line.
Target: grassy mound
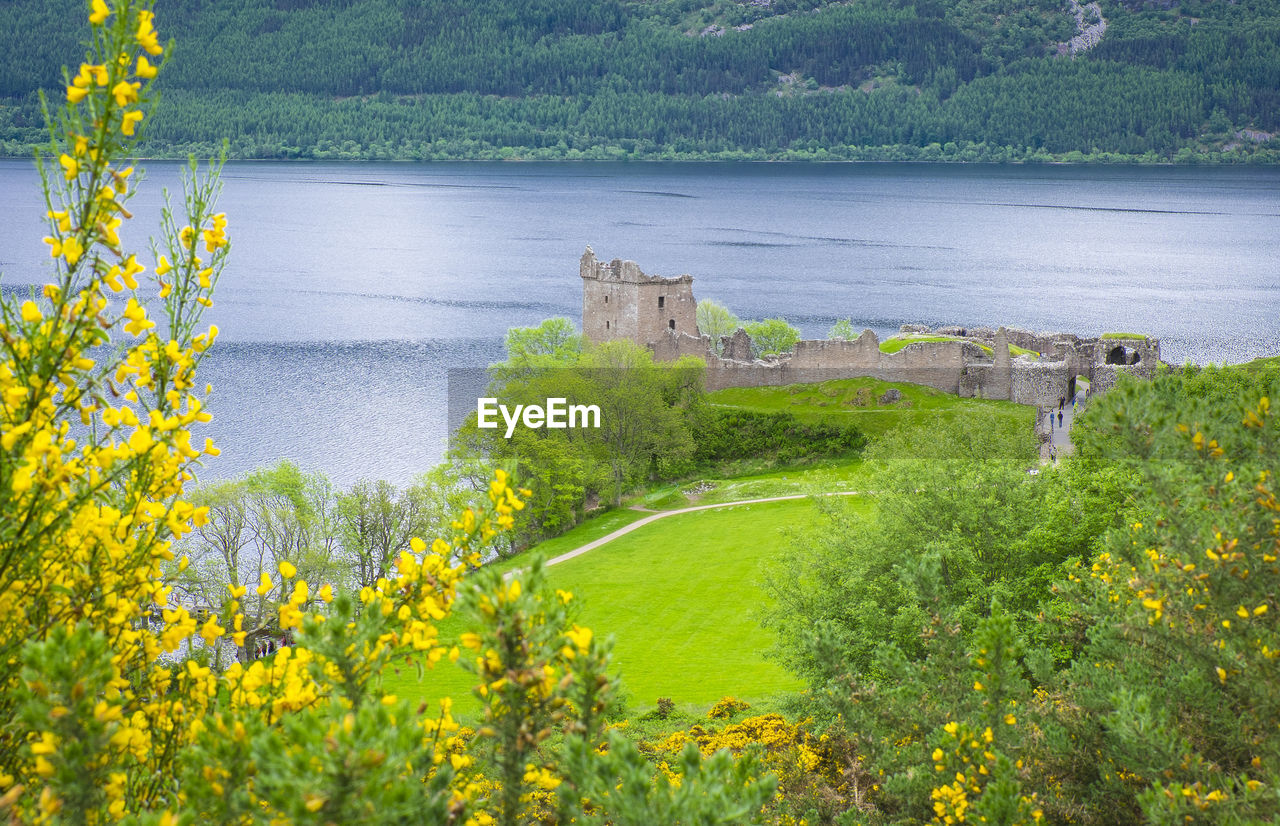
x,y
893,344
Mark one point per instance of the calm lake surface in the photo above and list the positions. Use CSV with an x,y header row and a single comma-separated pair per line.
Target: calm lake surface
x,y
353,288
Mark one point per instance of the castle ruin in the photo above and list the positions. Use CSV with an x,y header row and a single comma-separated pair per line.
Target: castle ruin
x,y
621,301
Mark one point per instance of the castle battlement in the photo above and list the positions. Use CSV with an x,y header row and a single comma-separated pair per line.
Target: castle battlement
x,y
620,301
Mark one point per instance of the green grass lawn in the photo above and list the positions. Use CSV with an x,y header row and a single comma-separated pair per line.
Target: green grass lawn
x,y
857,400
1134,336
680,598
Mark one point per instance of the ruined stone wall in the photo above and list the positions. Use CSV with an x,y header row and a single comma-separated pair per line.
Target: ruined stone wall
x,y
1139,357
939,364
1039,383
1104,377
1050,344
674,345
956,367
864,351
975,382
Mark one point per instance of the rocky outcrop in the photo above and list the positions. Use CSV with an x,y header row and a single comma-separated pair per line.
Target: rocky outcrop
x,y
1091,26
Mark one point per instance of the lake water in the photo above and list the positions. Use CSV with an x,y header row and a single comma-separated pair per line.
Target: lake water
x,y
354,287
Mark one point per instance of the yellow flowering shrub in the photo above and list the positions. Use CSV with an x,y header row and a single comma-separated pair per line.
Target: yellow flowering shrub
x,y
97,412
816,774
977,782
101,718
726,708
1178,690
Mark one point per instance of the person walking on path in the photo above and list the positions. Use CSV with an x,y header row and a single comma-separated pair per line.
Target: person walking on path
x,y
1062,400
1059,418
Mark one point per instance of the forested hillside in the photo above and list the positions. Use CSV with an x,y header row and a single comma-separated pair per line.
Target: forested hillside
x,y
931,79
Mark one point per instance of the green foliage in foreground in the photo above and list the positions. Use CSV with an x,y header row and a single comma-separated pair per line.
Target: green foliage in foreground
x,y
959,524
1095,644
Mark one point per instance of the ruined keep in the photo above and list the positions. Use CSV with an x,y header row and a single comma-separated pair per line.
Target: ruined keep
x,y
621,301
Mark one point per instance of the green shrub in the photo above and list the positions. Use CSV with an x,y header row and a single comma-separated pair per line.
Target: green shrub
x,y
724,435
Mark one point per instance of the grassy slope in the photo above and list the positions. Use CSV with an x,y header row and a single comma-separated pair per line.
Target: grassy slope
x,y
679,595
679,598
1263,361
920,406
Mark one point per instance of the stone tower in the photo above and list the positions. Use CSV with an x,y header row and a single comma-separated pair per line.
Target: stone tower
x,y
620,301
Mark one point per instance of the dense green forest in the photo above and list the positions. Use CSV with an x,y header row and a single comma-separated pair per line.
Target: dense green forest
x,y
872,79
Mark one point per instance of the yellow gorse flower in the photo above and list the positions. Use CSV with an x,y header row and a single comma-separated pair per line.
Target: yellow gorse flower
x,y
125,92
130,122
146,34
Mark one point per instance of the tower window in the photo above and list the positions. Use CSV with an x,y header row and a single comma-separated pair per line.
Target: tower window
x,y
606,299
672,324
661,300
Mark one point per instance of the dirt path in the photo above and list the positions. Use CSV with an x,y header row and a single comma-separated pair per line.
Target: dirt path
x,y
590,546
